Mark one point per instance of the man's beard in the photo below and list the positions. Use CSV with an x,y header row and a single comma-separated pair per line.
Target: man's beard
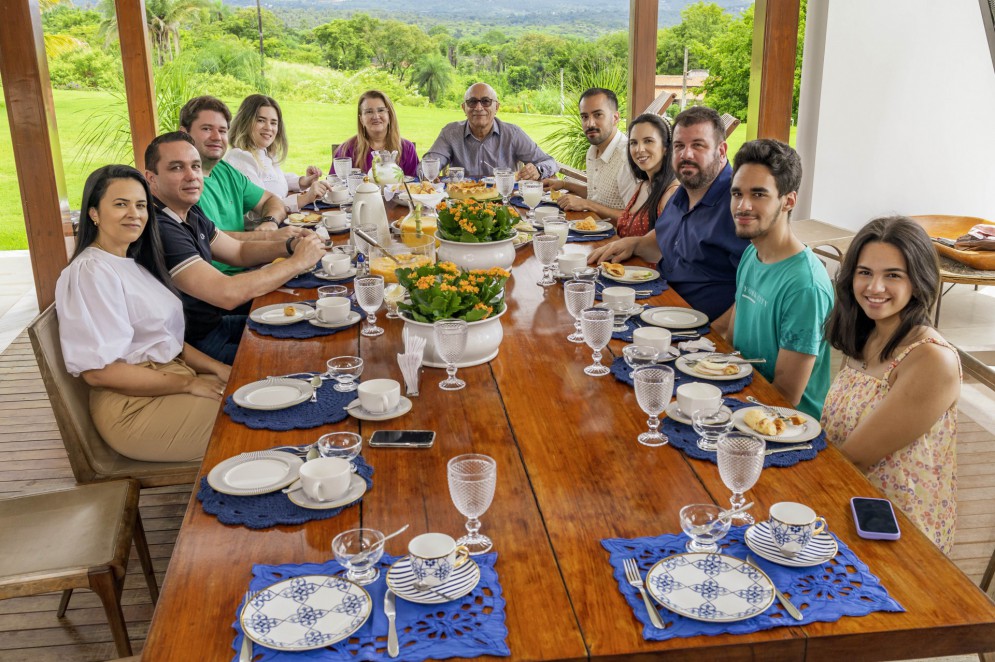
x,y
703,178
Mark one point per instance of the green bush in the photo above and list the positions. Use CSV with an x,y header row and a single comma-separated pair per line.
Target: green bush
x,y
86,68
220,85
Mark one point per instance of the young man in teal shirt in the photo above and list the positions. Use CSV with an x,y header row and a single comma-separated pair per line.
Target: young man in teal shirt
x,y
783,293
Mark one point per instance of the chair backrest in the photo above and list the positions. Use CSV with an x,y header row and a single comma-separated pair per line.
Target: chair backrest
x,y
92,460
661,103
730,123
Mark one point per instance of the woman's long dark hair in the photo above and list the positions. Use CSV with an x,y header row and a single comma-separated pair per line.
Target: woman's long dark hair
x,y
665,175
147,249
848,327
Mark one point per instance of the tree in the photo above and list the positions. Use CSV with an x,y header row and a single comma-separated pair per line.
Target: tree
x,y
164,19
347,43
433,75
727,88
700,25
398,46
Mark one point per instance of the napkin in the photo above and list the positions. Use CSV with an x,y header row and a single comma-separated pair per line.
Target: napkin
x,y
322,233
411,360
699,345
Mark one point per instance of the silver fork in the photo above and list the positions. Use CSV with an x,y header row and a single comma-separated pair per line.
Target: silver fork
x,y
245,655
770,411
635,579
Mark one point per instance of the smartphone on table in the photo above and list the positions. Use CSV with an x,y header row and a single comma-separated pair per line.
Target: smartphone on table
x,y
875,518
402,439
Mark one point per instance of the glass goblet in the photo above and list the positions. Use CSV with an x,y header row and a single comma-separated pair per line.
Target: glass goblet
x,y
504,179
740,459
359,550
346,445
710,424
703,524
639,356
654,388
353,183
472,479
596,325
430,168
345,370
450,343
559,227
369,296
342,167
545,246
578,294
333,291
531,192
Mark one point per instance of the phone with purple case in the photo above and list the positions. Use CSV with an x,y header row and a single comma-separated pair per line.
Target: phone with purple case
x,y
875,518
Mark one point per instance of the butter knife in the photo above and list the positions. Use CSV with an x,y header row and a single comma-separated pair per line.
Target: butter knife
x,y
391,611
790,608
788,449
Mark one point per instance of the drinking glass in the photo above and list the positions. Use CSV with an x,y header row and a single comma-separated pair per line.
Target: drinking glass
x,y
373,230
703,524
741,458
369,296
345,370
333,291
393,294
504,179
559,227
586,273
353,183
654,388
472,479
346,445
455,174
359,550
621,312
450,343
596,324
710,424
546,246
430,168
579,294
638,356
342,167
347,249
531,192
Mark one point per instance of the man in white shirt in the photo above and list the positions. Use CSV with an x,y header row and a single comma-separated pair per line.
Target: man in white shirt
x,y
610,182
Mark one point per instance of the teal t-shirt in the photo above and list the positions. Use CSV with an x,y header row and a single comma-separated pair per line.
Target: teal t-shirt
x,y
784,305
227,196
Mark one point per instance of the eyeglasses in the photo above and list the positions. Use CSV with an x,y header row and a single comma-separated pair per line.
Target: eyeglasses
x,y
473,103
370,112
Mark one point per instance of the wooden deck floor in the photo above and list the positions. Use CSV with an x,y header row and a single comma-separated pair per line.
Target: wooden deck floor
x,y
32,459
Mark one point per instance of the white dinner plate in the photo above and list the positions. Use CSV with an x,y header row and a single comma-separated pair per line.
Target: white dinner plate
x,y
275,314
793,434
260,472
304,613
273,393
603,226
320,273
461,582
349,320
820,549
638,275
673,317
710,587
683,364
357,488
404,405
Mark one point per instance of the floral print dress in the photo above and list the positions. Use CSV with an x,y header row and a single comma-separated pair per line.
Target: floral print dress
x,y
921,478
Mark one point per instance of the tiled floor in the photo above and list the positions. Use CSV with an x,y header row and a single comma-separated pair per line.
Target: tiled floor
x,y
18,304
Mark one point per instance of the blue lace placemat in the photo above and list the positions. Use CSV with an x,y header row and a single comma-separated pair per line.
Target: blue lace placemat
x,y
267,510
309,280
302,330
623,373
644,290
579,237
841,587
635,322
330,408
517,201
320,205
471,626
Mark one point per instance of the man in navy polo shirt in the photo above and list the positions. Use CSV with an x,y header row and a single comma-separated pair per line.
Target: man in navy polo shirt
x,y
190,240
695,240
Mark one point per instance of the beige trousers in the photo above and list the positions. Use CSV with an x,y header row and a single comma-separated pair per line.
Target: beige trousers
x,y
163,428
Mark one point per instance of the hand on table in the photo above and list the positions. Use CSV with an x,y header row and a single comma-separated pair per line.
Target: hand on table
x,y
288,231
616,251
553,184
571,202
308,249
528,171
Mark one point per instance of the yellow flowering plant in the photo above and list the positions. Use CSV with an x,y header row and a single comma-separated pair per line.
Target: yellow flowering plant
x,y
443,290
473,221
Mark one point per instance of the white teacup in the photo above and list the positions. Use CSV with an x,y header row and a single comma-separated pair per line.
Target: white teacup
x,y
652,336
332,309
337,193
695,395
612,295
335,220
378,396
792,526
335,264
325,478
434,556
570,261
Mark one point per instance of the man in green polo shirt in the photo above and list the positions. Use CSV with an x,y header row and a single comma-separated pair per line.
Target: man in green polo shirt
x,y
783,293
228,195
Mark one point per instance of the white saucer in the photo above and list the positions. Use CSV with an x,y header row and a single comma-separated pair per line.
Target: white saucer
x,y
403,407
349,320
357,488
320,273
275,314
461,582
254,473
822,548
674,412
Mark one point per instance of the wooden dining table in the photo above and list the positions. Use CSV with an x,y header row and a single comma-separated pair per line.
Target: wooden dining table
x,y
570,473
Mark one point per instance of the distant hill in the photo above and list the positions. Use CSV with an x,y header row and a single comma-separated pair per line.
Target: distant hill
x,y
568,17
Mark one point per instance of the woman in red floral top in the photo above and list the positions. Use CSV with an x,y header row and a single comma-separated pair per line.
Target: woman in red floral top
x,y
650,158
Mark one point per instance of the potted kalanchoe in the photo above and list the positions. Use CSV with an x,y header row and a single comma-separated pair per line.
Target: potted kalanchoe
x,y
475,234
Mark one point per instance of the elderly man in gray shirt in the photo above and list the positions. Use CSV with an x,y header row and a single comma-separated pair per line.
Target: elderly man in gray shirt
x,y
483,142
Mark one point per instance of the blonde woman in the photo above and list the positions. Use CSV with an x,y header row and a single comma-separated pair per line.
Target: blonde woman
x,y
376,129
258,146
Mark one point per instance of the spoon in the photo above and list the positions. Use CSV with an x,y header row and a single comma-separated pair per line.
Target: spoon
x,y
732,512
421,586
373,242
359,558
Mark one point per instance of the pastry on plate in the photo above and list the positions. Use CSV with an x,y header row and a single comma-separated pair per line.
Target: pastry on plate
x,y
711,368
764,424
471,189
613,269
589,224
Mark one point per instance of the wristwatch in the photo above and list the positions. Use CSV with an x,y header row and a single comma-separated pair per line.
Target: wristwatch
x,y
269,219
290,240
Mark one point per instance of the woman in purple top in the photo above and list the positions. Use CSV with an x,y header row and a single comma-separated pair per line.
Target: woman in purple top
x,y
376,129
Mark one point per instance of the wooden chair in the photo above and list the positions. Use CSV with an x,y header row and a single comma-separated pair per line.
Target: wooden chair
x,y
92,460
75,538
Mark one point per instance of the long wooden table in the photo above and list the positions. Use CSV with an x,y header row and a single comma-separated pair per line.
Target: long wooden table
x,y
570,473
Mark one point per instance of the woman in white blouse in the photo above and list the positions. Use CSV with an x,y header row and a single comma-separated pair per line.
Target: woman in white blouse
x,y
154,397
258,147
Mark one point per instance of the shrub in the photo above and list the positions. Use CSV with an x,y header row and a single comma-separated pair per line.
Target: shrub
x,y
85,68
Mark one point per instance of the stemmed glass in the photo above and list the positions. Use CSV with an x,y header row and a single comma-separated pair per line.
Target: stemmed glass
x,y
472,479
369,296
504,179
450,342
741,458
353,183
531,194
596,324
546,246
654,388
359,550
345,370
342,167
430,168
710,424
579,294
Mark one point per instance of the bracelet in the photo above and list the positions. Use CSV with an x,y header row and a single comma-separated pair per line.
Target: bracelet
x,y
290,251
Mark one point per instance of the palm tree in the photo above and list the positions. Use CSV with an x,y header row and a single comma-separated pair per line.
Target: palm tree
x,y
433,74
164,18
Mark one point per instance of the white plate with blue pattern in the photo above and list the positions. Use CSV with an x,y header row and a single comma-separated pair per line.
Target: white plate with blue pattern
x,y
820,549
710,587
401,580
304,613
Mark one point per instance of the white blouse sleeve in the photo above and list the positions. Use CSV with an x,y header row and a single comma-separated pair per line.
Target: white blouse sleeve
x,y
242,161
94,328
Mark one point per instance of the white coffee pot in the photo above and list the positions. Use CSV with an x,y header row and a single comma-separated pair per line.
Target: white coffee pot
x,y
368,207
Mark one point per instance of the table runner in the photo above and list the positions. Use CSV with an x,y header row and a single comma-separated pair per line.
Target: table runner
x,y
623,373
330,408
843,586
471,626
263,511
